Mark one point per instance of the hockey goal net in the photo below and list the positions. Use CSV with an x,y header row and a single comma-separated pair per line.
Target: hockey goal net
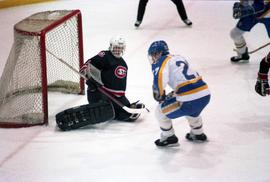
x,y
31,71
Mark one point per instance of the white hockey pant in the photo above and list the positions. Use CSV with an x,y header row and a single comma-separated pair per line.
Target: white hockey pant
x,y
195,124
239,40
165,123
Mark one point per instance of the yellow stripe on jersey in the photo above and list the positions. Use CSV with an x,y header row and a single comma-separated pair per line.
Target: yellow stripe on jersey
x,y
188,82
171,107
160,73
194,90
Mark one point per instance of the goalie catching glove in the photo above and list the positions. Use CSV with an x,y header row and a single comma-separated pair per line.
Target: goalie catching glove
x,y
135,116
123,115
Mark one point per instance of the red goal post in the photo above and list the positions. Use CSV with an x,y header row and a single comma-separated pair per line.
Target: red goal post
x,y
30,71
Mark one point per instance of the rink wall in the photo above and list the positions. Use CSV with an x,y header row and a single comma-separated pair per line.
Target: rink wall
x,y
9,3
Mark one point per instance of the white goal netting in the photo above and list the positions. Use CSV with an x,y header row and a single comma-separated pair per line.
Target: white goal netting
x,y
30,71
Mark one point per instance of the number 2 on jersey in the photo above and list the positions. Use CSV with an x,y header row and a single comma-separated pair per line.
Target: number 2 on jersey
x,y
185,70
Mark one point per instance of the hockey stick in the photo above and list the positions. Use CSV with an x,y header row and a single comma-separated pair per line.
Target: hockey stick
x,y
129,110
263,46
255,13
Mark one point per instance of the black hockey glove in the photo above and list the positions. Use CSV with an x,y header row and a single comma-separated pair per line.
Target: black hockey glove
x,y
137,105
92,84
134,116
170,95
84,70
240,11
262,85
157,96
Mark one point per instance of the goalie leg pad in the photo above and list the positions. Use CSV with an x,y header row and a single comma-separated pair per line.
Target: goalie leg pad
x,y
84,115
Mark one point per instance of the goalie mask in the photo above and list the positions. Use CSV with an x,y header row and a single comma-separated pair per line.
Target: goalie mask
x,y
156,50
117,46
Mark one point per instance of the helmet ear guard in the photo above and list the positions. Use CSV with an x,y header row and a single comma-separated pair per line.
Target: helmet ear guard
x,y
117,46
156,50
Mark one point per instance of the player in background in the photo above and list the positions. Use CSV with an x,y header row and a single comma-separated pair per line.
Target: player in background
x,y
178,3
189,97
105,72
262,85
249,13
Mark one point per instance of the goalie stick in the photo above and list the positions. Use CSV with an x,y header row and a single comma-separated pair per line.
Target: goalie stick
x,y
128,109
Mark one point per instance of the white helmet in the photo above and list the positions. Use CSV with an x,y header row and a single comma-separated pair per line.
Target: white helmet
x,y
117,46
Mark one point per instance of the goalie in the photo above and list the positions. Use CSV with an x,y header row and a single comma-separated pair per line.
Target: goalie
x,y
106,71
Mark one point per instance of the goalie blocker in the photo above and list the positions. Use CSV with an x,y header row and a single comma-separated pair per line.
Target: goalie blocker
x,y
91,114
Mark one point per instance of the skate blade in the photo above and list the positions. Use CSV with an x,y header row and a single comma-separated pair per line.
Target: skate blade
x,y
197,141
169,145
240,62
173,145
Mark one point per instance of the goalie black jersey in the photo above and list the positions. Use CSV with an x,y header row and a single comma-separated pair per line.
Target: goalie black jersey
x,y
113,72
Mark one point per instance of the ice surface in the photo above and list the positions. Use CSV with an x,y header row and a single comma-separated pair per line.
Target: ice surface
x,y
237,120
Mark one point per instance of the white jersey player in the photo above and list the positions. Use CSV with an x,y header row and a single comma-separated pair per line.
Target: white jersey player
x,y
189,97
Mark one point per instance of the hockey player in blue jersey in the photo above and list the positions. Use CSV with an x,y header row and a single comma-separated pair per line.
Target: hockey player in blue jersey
x,y
189,97
249,13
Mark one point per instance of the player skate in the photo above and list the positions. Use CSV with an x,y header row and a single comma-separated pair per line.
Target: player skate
x,y
171,141
196,138
187,22
137,23
241,58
